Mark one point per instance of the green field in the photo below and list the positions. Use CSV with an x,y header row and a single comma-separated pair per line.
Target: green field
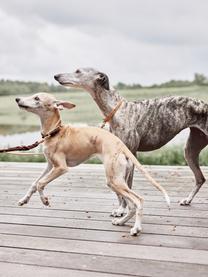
x,y
86,110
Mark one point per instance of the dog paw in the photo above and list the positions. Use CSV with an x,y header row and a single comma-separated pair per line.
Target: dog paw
x,y
135,231
22,201
185,202
118,212
45,200
116,221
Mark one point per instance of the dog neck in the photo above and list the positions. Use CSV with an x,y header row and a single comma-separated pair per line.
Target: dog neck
x,y
50,121
106,99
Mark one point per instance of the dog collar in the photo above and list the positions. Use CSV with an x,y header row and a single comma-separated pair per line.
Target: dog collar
x,y
52,133
111,114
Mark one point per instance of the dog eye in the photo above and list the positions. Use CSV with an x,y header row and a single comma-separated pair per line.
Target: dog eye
x,y
101,75
36,98
77,71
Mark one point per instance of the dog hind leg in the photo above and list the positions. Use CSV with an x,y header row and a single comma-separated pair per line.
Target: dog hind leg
x,y
135,206
116,181
118,212
196,142
122,201
130,213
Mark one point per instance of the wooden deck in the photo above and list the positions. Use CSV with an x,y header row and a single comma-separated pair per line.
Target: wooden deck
x,y
75,238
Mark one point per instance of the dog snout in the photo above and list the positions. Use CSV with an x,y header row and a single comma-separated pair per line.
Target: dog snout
x,y
17,99
56,77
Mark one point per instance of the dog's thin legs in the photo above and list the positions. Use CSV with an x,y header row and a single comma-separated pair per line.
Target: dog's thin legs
x,y
121,209
115,174
33,187
122,202
139,212
135,207
129,180
130,213
196,142
53,174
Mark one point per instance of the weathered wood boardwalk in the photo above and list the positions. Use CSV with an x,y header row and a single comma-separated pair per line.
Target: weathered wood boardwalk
x,y
75,238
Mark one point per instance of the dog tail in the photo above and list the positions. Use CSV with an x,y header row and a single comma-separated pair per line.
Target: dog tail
x,y
127,152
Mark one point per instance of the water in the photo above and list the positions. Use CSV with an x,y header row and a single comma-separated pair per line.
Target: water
x,y
31,137
19,139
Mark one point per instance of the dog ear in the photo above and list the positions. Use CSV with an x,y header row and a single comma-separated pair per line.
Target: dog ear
x,y
103,81
59,104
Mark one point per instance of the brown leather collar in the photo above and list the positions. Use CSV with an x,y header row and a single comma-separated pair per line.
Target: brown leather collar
x,y
111,114
52,133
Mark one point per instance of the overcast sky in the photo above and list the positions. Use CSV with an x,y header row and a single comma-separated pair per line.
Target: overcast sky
x,y
141,41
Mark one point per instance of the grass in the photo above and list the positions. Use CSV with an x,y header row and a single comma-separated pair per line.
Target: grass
x,y
16,158
86,110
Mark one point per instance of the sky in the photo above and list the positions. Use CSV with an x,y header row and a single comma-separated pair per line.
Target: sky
x,y
132,41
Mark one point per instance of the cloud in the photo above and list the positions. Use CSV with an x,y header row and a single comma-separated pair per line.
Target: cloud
x,y
133,41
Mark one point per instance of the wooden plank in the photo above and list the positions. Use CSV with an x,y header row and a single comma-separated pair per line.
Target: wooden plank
x,y
25,270
85,174
90,206
95,183
104,225
166,219
106,236
59,185
74,173
88,167
107,249
99,184
65,204
103,193
100,263
166,170
107,197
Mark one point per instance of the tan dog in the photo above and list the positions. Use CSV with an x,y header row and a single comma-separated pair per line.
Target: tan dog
x,y
72,146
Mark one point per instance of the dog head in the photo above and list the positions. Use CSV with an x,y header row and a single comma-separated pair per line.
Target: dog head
x,y
41,103
85,78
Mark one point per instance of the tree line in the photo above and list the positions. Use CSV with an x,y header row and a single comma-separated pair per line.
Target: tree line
x,y
199,80
9,87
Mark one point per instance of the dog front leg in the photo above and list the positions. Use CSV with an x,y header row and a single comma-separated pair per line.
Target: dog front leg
x,y
33,187
53,174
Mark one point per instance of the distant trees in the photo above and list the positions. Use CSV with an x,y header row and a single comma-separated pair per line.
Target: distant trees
x,y
121,85
174,83
199,80
8,87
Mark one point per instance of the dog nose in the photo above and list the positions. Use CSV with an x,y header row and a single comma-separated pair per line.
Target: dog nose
x,y
56,77
17,99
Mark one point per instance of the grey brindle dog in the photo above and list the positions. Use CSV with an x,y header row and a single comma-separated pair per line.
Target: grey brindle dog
x,y
148,124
